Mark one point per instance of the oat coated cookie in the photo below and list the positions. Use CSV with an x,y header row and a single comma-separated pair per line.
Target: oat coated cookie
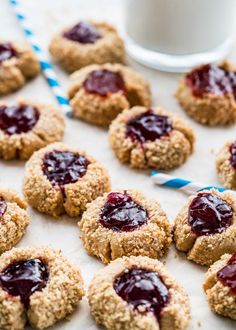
x,y
205,228
98,93
37,285
143,138
87,43
28,126
13,217
60,179
125,223
138,293
208,94
226,165
18,64
220,286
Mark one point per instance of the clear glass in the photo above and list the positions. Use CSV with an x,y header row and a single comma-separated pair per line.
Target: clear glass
x,y
175,35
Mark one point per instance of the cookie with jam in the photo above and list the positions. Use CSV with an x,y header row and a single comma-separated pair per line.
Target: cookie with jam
x,y
38,286
151,138
87,43
28,126
220,286
226,165
125,223
205,228
14,219
18,64
208,94
138,293
98,93
59,179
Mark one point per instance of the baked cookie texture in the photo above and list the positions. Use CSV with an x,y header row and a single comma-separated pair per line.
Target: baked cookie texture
x,y
59,298
48,128
152,238
99,109
205,249
73,55
16,70
110,310
164,153
224,165
70,198
13,217
210,108
220,297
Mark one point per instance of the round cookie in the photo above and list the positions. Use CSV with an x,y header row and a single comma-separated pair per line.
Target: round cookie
x,y
125,223
98,93
220,286
207,94
59,179
13,217
226,165
37,285
138,293
18,63
205,228
87,43
153,137
28,126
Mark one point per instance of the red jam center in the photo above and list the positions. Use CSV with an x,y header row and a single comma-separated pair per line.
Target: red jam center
x,y
227,275
84,33
3,206
104,82
232,151
148,127
208,214
212,79
143,289
121,213
7,51
63,167
18,119
23,278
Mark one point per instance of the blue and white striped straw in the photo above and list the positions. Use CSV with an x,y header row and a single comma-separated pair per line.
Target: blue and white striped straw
x,y
187,186
45,63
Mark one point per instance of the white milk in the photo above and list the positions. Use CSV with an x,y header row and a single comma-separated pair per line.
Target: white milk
x,y
180,27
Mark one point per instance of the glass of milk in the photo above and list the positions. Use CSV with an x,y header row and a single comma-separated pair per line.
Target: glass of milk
x,y
175,35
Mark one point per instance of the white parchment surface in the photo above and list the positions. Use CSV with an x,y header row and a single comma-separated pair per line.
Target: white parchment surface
x,y
47,17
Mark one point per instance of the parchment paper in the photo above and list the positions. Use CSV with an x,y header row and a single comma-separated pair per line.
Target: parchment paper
x,y
47,17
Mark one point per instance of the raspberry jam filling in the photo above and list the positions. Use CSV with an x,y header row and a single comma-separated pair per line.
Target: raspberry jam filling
x,y
104,82
143,289
84,33
63,167
122,213
18,119
227,275
23,278
7,51
148,127
3,206
232,150
209,214
211,78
